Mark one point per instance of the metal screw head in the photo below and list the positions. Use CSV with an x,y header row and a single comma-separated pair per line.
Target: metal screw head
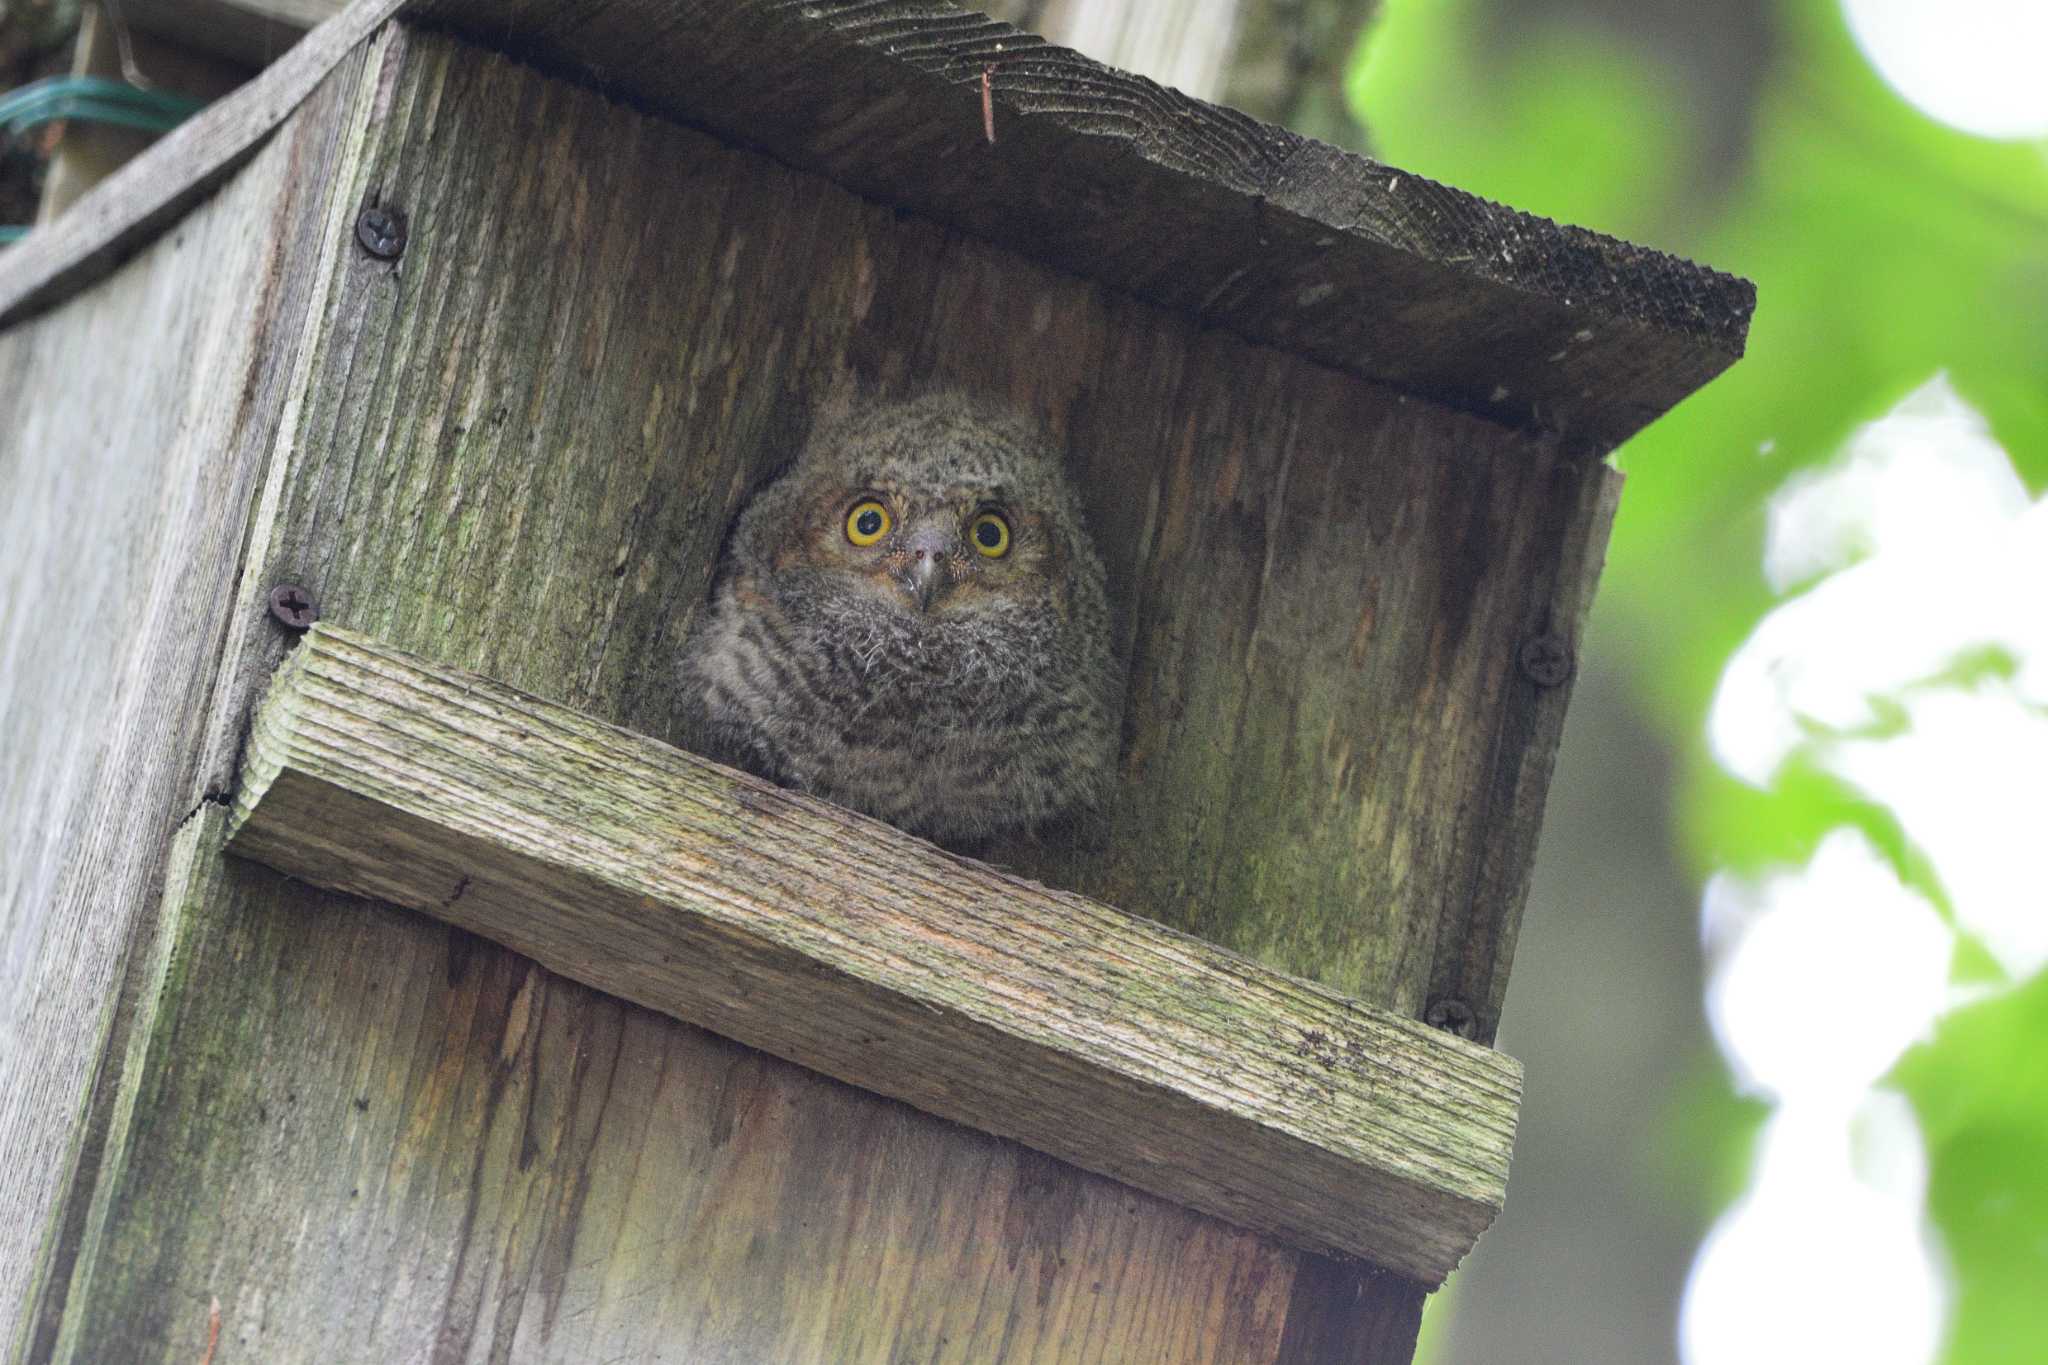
x,y
381,231
293,606
1545,660
1452,1015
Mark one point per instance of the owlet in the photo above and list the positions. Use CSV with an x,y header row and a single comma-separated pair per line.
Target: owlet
x,y
911,622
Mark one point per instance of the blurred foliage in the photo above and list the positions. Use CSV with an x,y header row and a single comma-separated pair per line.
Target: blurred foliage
x,y
1707,1139
1979,1091
1885,247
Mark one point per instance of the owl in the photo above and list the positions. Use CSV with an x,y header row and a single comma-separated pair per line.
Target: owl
x,y
911,621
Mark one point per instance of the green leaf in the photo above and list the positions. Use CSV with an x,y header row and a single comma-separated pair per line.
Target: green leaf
x,y
1980,1088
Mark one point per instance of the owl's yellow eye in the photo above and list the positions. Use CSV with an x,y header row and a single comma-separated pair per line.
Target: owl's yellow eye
x,y
867,523
991,535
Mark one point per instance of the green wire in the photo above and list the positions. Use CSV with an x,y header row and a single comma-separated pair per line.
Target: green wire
x,y
89,99
94,99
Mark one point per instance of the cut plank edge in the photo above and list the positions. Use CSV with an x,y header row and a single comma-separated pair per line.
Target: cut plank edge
x,y
148,194
1584,334
1294,243
1108,1041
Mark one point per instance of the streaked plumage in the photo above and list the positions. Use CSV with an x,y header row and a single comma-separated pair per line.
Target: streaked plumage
x,y
953,688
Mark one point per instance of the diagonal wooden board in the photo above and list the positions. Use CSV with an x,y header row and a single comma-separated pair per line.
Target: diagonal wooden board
x,y
851,948
148,194
1281,239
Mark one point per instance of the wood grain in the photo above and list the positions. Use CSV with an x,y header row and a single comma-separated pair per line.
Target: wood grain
x,y
514,451
1189,46
1321,586
1104,1040
491,462
1194,207
1098,172
480,1161
135,428
131,206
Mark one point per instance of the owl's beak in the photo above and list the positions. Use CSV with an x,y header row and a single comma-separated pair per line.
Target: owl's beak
x,y
924,575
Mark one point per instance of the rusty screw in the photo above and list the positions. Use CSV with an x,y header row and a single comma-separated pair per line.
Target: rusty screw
x,y
293,606
381,230
1452,1015
1545,660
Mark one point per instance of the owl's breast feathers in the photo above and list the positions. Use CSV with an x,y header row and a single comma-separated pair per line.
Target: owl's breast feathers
x,y
952,698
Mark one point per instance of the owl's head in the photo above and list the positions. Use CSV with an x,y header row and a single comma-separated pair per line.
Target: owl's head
x,y
936,508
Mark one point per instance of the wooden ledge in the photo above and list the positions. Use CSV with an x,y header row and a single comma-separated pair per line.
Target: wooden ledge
x,y
856,950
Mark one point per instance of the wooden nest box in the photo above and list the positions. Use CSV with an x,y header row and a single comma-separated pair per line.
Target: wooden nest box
x,y
405,995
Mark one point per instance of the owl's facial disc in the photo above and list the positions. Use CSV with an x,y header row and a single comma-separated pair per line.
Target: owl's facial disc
x,y
927,553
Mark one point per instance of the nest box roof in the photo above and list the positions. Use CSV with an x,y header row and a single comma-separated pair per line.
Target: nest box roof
x,y
1279,238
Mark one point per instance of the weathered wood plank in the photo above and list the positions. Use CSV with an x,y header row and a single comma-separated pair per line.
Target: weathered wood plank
x,y
135,428
1197,208
1096,171
653,875
1321,587
148,1053
516,1168
1187,46
1187,52
128,208
490,460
